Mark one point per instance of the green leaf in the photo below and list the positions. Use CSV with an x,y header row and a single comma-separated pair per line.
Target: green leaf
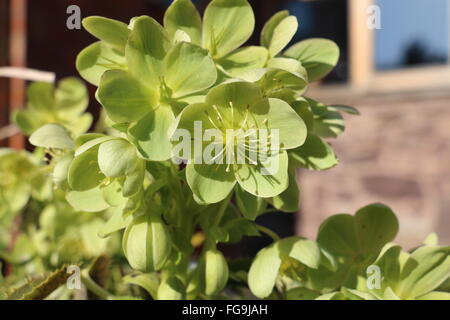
x,y
318,56
182,15
248,204
124,98
361,236
146,243
432,239
432,268
112,32
89,201
263,272
227,24
301,106
244,59
151,134
303,250
146,48
314,154
278,32
435,295
337,235
376,225
265,181
288,200
329,125
52,136
347,109
84,173
188,69
210,183
97,58
42,287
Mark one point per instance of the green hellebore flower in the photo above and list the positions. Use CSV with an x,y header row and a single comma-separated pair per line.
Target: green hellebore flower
x,y
101,166
147,243
151,93
239,136
64,105
106,54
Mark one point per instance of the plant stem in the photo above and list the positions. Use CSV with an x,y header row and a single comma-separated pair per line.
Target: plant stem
x,y
268,232
94,287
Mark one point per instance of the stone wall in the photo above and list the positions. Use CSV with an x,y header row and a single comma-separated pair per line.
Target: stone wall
x,y
398,153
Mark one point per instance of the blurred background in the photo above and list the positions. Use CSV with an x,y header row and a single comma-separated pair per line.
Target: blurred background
x,y
394,69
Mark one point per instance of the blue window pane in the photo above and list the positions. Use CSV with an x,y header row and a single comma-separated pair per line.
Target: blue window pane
x,y
413,32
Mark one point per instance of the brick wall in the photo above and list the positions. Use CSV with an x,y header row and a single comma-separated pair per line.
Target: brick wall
x,y
397,152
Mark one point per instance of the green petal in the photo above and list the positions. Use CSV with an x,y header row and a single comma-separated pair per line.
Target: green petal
x,y
151,134
115,156
252,179
89,201
84,173
41,96
227,25
244,59
318,56
270,25
287,64
52,136
210,183
280,116
124,98
314,154
71,96
241,94
278,32
189,69
112,32
182,15
264,270
146,48
97,58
